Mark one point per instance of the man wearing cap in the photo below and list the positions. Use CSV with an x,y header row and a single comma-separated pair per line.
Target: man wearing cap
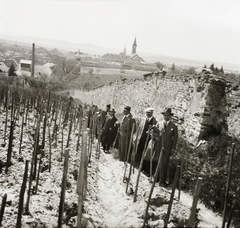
x,y
168,143
108,133
125,129
149,120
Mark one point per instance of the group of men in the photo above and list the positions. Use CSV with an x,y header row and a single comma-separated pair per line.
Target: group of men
x,y
144,139
105,128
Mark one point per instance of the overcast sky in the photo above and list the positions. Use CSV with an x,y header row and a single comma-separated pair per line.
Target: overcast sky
x,y
193,29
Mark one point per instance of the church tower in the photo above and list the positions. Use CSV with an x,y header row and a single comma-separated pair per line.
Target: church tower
x,y
134,47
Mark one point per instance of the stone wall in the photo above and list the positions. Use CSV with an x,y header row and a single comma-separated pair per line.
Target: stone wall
x,y
233,110
199,103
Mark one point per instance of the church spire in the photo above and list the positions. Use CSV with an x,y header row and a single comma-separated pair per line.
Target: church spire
x,y
134,47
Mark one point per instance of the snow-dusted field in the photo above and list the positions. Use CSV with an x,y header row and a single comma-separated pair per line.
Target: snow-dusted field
x,y
107,204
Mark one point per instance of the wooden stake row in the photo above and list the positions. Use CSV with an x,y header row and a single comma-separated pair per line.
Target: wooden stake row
x,y
34,105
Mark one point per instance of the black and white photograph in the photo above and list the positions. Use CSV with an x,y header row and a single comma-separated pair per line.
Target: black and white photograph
x,y
119,113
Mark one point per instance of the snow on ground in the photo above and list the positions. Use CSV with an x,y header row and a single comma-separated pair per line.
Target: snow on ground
x,y
107,203
206,216
116,208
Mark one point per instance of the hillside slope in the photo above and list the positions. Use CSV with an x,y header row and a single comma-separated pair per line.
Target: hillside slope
x,y
106,205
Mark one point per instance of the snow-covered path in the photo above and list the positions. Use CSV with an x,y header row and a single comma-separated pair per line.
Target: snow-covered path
x,y
118,207
112,207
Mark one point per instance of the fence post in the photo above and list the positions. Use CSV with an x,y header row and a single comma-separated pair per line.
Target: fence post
x,y
3,207
182,163
194,204
70,129
6,118
9,154
228,185
153,185
231,212
132,159
128,153
81,177
64,183
172,195
140,166
79,133
22,125
21,200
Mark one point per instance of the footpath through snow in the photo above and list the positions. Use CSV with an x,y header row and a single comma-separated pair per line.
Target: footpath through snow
x,y
108,204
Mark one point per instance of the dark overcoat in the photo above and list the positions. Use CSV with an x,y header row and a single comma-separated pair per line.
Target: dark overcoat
x,y
125,129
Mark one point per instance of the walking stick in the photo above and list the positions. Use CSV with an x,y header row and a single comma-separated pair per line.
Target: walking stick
x,y
128,154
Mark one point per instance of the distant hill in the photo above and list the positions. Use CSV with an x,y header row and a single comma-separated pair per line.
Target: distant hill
x,y
69,49
187,62
6,46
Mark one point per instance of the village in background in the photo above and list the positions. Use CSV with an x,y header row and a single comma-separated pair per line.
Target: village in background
x,y
204,98
81,70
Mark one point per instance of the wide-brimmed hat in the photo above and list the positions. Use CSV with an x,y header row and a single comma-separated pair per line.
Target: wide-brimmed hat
x,y
167,111
149,109
128,108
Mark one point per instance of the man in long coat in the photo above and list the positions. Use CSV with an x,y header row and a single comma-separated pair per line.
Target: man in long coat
x,y
108,131
103,114
125,129
147,121
167,144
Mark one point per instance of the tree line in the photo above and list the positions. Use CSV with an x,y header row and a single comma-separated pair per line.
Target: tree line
x,y
215,70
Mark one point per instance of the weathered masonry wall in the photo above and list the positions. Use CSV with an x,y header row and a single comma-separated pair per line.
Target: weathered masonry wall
x,y
233,110
199,103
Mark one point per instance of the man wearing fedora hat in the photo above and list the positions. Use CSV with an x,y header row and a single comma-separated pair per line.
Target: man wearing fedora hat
x,y
167,144
145,123
125,129
108,130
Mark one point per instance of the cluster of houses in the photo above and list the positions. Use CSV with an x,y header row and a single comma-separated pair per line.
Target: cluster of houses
x,y
22,64
24,67
121,61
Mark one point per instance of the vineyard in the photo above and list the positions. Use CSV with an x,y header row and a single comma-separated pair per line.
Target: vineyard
x,y
55,174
